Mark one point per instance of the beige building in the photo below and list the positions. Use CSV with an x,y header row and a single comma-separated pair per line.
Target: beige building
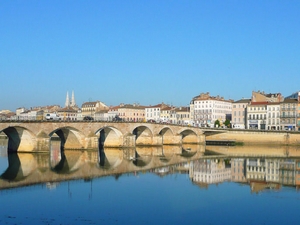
x,y
167,115
263,111
7,114
132,112
239,113
35,114
68,113
258,96
183,116
257,115
296,95
288,115
90,108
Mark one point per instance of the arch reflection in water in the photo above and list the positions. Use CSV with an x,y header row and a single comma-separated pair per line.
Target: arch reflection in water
x,y
62,161
58,162
20,166
259,172
110,158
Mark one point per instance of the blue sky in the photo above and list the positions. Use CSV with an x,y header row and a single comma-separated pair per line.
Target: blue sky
x,y
146,52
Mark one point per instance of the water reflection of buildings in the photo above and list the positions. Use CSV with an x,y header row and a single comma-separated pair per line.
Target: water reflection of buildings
x,y
238,170
210,171
255,169
281,171
182,168
51,185
259,173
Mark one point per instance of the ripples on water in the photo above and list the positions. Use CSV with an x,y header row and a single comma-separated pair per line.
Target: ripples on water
x,y
117,187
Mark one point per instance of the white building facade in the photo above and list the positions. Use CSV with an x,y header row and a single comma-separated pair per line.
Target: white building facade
x,y
207,109
154,112
273,116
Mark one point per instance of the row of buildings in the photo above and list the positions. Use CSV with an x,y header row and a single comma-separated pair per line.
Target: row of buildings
x,y
262,111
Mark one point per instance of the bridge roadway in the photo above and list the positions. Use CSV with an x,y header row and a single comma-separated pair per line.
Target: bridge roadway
x,y
35,136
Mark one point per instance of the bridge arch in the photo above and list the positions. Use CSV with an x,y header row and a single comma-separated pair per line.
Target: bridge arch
x,y
71,138
167,135
143,135
188,136
19,138
109,137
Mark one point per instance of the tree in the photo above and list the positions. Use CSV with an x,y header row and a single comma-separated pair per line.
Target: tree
x,y
227,123
217,123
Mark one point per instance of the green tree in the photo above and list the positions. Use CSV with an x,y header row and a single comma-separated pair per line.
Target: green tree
x,y
227,123
217,123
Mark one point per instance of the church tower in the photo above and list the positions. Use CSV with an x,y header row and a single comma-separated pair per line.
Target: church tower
x,y
73,103
67,104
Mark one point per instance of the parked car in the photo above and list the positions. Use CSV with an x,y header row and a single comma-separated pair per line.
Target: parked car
x,y
52,116
117,118
89,118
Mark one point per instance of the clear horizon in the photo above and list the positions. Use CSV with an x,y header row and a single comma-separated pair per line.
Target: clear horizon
x,y
146,52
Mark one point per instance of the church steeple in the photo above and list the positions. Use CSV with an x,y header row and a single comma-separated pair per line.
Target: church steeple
x,y
73,103
67,104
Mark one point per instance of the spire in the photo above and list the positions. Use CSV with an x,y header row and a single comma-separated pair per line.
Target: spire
x,y
73,103
67,104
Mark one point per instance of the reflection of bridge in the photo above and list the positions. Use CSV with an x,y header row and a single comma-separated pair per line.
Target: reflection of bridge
x,y
36,135
28,169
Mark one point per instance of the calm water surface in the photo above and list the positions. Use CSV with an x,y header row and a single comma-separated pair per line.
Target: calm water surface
x,y
108,188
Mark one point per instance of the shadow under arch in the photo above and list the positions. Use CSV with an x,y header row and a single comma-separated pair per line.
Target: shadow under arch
x,y
19,137
70,137
143,135
109,137
167,134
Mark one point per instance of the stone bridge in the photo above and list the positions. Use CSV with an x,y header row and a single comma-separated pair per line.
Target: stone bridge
x,y
36,136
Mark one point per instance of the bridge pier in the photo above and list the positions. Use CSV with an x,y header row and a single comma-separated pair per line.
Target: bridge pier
x,y
91,143
129,141
194,139
157,140
172,140
42,144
